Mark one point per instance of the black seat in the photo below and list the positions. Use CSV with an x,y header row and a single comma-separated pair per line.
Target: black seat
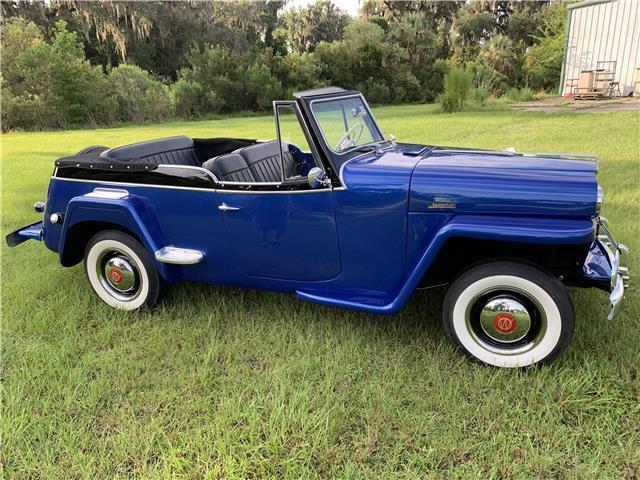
x,y
259,162
167,151
231,167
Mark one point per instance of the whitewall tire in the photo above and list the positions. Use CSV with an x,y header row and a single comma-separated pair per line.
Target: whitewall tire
x,y
508,314
121,272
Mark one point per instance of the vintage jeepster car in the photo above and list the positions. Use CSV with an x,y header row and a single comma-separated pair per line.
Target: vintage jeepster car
x,y
343,216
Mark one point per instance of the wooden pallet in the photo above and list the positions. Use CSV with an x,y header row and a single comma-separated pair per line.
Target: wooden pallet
x,y
592,95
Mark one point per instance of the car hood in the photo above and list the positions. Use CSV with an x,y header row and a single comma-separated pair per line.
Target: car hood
x,y
488,182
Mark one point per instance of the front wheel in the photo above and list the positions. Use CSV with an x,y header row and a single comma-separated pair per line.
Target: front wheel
x,y
508,314
121,272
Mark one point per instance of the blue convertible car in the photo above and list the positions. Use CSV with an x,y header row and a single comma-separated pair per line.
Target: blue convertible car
x,y
342,215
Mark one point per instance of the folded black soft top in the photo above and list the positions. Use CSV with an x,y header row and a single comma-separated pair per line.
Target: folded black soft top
x,y
147,155
90,158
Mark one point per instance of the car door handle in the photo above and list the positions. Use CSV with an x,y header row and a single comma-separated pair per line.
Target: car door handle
x,y
226,208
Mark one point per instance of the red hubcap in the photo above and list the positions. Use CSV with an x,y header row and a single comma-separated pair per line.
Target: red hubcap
x,y
504,323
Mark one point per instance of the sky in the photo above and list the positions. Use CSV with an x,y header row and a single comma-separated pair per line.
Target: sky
x,y
349,6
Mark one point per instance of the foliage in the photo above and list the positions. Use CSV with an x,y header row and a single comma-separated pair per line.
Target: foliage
x,y
186,97
524,94
501,55
457,86
196,58
232,82
474,28
18,35
138,97
364,61
58,82
478,96
319,22
487,79
543,61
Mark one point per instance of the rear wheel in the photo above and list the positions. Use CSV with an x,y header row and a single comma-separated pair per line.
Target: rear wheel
x,y
508,314
121,272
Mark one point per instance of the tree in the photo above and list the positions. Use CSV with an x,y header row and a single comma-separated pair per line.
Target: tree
x,y
319,22
54,85
543,61
18,35
501,54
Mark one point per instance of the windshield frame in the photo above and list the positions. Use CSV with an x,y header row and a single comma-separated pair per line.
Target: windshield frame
x,y
374,122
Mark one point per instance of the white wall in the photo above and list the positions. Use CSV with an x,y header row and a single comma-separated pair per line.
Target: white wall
x,y
604,31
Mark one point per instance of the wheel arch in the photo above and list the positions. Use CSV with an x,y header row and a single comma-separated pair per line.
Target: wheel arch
x,y
85,217
461,253
78,236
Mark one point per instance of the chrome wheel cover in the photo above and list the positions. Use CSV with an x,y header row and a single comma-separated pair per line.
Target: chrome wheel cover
x,y
506,320
119,274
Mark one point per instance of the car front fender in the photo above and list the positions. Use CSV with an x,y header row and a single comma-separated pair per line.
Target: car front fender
x,y
550,231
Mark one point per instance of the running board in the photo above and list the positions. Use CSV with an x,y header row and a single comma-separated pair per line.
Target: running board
x,y
179,256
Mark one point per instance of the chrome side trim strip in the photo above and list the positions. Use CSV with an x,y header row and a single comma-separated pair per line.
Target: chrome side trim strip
x,y
179,256
221,190
222,184
112,193
277,192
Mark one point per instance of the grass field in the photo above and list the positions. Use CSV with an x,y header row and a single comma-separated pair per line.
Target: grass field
x,y
226,383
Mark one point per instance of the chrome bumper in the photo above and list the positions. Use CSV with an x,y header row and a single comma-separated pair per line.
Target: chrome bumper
x,y
617,255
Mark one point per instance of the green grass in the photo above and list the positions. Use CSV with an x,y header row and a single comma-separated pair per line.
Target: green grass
x,y
226,383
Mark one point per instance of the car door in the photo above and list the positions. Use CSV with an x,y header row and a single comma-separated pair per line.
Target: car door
x,y
284,229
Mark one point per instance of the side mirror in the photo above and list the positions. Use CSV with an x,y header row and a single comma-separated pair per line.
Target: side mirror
x,y
317,178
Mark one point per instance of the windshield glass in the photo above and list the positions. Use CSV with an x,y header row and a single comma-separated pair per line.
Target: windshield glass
x,y
345,123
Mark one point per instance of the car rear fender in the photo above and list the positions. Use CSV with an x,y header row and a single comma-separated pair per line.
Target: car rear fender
x,y
130,213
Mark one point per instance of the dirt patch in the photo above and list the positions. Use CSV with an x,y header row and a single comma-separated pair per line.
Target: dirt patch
x,y
563,104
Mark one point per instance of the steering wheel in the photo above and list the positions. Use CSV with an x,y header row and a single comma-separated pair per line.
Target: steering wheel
x,y
351,137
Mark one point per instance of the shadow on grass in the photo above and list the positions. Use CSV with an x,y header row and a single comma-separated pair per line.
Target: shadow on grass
x,y
421,317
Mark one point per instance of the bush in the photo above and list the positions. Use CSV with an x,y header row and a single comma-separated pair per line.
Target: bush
x,y
520,94
187,98
58,84
297,72
138,96
23,112
543,62
375,92
488,79
457,85
261,87
233,81
478,95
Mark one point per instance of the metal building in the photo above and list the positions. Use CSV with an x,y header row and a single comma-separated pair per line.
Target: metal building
x,y
603,31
